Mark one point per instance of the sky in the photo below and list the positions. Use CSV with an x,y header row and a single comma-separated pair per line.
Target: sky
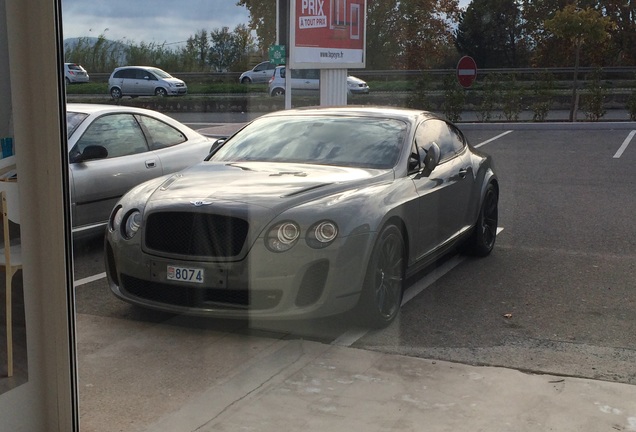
x,y
150,21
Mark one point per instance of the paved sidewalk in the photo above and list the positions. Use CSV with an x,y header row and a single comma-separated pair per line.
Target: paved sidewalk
x,y
137,376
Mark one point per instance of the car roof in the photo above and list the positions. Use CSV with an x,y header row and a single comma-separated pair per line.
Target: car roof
x,y
358,111
87,108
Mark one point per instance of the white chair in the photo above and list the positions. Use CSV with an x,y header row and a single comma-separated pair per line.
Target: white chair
x,y
10,256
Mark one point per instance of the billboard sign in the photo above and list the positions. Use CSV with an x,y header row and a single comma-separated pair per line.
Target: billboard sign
x,y
327,34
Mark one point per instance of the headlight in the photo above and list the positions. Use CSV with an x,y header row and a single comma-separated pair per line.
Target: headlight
x,y
282,236
322,234
115,218
132,223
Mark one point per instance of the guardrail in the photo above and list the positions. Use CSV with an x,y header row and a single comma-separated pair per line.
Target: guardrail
x,y
617,71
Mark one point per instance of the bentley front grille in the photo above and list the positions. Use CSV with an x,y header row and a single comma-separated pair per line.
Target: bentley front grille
x,y
196,234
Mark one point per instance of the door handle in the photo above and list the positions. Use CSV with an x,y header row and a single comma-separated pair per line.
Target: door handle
x,y
151,164
463,172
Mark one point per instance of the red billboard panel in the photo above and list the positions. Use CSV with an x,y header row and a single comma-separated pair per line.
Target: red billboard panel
x,y
327,34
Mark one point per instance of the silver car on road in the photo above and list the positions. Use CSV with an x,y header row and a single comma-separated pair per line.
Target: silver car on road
x,y
114,148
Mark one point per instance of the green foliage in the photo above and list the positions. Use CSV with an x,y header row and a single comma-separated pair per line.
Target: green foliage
x,y
419,98
491,31
513,95
594,99
454,98
220,49
631,106
542,92
490,90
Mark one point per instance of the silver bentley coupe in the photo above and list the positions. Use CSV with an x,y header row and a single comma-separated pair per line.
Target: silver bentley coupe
x,y
305,213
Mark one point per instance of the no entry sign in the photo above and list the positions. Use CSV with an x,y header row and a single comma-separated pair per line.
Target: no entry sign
x,y
466,71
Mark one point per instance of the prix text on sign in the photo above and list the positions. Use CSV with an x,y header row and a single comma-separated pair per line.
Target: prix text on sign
x,y
313,14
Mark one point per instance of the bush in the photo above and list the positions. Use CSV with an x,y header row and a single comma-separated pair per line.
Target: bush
x,y
454,98
594,100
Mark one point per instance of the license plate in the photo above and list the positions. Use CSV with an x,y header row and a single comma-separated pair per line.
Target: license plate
x,y
185,274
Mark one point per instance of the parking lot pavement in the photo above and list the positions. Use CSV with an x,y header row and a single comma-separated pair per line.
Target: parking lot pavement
x,y
163,378
137,375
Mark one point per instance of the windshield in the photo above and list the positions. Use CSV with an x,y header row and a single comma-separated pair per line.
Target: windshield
x,y
364,142
73,120
160,73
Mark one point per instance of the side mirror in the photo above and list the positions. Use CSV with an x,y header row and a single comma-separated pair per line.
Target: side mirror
x,y
432,157
91,152
218,143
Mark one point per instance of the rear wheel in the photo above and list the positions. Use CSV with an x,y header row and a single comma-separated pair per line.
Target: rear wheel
x,y
278,92
384,282
115,93
482,240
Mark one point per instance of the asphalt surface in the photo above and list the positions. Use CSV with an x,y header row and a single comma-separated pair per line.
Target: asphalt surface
x,y
555,297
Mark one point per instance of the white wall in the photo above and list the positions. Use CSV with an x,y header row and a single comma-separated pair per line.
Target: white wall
x,y
45,402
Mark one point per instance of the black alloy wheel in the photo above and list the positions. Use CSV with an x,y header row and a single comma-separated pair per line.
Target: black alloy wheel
x,y
482,241
384,282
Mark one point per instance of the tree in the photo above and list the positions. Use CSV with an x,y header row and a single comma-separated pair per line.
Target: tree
x,y
578,26
491,31
423,32
262,20
412,34
229,48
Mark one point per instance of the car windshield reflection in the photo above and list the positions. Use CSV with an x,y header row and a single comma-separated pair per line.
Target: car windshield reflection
x,y
364,142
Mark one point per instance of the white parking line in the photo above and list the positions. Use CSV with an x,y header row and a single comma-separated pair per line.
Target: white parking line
x,y
352,335
493,138
623,147
89,279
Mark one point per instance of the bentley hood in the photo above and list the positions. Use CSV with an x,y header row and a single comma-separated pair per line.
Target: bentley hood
x,y
268,185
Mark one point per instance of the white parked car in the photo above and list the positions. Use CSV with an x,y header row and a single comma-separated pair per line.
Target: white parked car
x,y
308,81
74,73
144,81
261,73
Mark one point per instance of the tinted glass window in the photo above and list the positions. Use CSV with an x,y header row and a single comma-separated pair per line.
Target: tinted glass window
x,y
264,66
457,138
436,131
73,120
120,134
348,141
160,134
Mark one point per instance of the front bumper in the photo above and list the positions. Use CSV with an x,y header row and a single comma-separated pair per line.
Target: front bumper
x,y
300,283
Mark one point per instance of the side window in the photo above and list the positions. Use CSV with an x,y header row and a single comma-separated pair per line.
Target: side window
x,y
120,134
128,73
437,131
264,66
459,142
160,135
119,74
142,74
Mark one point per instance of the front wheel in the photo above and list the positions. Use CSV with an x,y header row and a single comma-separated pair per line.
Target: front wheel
x,y
161,92
246,80
482,240
383,287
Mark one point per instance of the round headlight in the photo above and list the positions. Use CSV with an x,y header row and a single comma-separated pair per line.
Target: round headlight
x,y
132,224
117,216
322,234
282,237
